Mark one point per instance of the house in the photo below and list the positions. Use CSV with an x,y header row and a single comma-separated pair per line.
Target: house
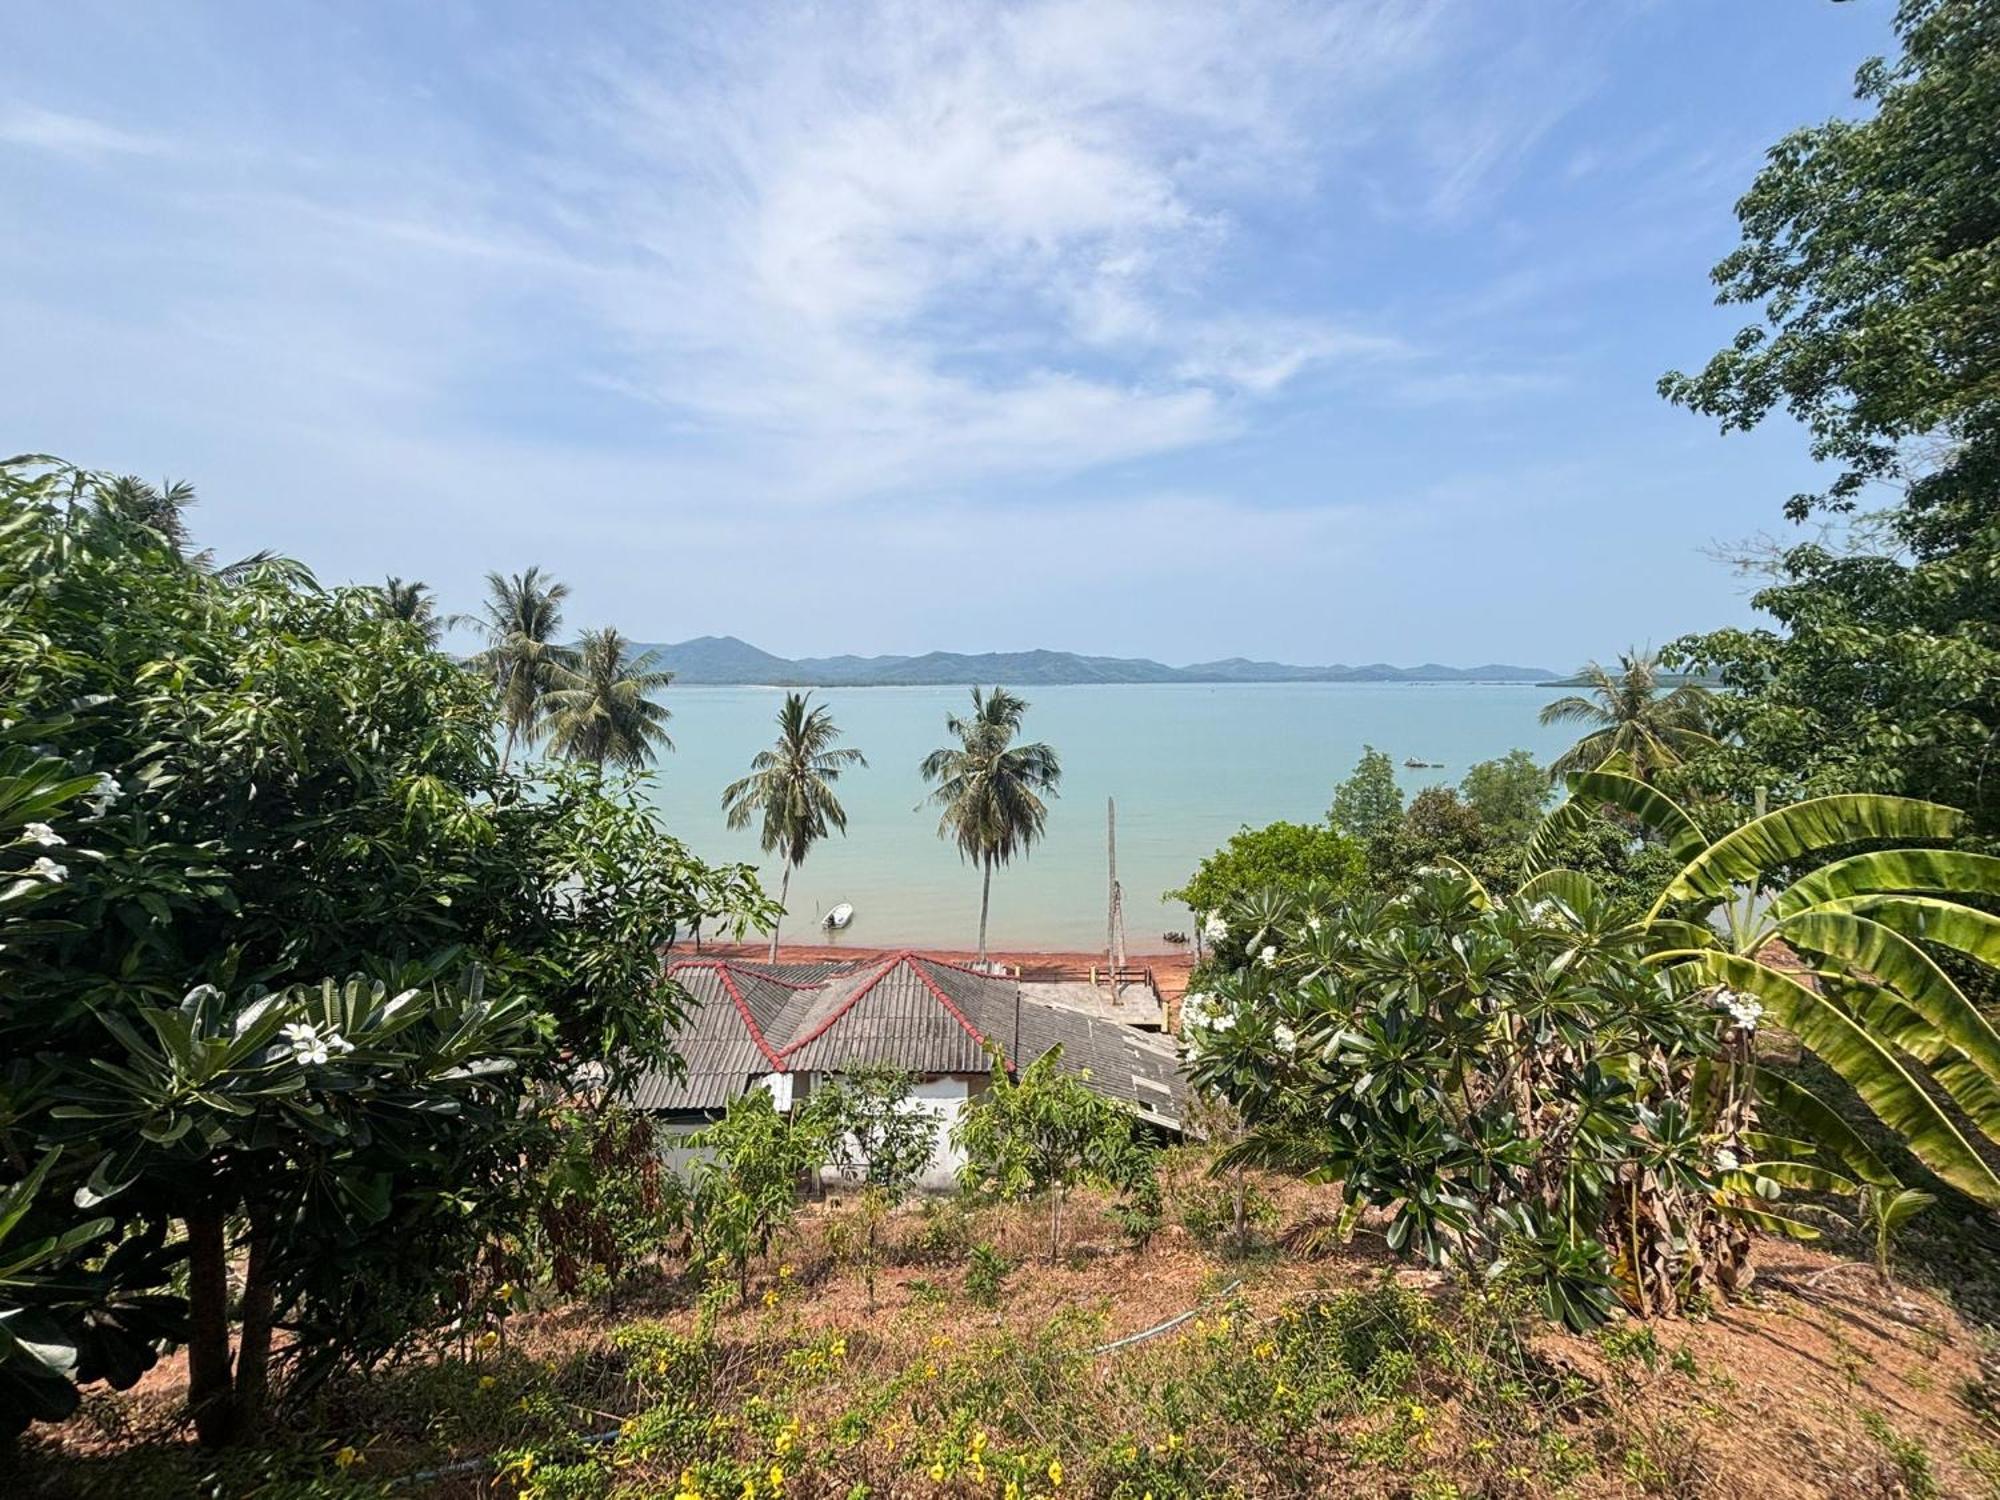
x,y
787,1027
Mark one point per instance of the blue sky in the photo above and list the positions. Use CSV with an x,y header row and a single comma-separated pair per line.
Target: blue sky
x,y
1319,332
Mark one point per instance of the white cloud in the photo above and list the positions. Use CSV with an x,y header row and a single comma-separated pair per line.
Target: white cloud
x,y
73,135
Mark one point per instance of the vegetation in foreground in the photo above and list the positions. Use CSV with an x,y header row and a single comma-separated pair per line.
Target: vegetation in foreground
x,y
971,1371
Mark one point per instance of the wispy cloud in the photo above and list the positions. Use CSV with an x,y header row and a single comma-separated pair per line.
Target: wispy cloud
x,y
73,135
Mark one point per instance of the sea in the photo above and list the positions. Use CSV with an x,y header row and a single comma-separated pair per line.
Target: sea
x,y
1186,764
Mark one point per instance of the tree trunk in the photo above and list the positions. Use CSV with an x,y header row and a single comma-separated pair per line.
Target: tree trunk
x,y
1055,1224
506,752
1236,1208
253,1346
209,1394
784,889
985,899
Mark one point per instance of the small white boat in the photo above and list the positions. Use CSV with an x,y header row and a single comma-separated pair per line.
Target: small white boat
x,y
838,918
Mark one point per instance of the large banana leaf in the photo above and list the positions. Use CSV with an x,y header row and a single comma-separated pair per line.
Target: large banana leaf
x,y
1965,929
1829,1131
1873,949
1573,888
1590,789
1766,844
1928,872
1871,1069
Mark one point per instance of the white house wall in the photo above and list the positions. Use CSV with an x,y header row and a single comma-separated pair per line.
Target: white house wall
x,y
942,1098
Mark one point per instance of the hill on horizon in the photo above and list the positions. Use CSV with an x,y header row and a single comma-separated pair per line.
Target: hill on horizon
x,y
724,660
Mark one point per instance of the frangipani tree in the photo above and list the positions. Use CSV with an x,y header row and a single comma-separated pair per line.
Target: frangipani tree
x,y
1803,916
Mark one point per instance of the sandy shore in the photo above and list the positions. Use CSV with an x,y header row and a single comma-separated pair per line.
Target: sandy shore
x,y
1170,970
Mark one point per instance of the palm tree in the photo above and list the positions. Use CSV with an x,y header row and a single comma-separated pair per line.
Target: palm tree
x,y
1651,728
990,788
415,605
522,615
791,784
598,704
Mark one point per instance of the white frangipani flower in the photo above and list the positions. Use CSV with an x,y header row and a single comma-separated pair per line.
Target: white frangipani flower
x,y
1727,1160
50,871
106,792
309,1048
1215,929
1313,922
1542,911
1269,957
1286,1038
1745,1010
41,833
1199,1012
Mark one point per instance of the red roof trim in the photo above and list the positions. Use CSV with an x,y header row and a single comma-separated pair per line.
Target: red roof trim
x,y
728,979
914,960
916,963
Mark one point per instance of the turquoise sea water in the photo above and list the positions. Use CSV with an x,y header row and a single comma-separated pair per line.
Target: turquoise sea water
x,y
1188,764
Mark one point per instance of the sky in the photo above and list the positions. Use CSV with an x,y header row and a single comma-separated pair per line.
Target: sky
x,y
1317,332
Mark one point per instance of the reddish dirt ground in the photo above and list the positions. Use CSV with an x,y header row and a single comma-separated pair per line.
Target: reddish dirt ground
x,y
1170,970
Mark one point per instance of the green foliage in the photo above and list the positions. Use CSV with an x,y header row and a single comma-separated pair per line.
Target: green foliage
x,y
1508,794
1369,801
986,1276
746,1181
1882,1012
1285,857
255,783
1471,1066
1045,1133
873,1127
990,789
1871,248
598,706
605,1200
790,788
1636,717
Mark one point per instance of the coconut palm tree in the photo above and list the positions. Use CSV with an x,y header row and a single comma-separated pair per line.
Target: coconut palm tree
x,y
415,605
599,706
1653,728
990,788
791,786
521,617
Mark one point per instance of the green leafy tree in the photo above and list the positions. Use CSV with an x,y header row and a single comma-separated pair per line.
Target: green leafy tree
x,y
875,1131
1508,794
1044,1134
599,706
1870,248
1508,1080
790,788
1634,715
1279,856
746,1182
1369,801
522,614
991,789
256,783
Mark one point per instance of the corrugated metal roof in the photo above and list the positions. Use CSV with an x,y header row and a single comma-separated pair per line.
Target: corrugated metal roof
x,y
920,1014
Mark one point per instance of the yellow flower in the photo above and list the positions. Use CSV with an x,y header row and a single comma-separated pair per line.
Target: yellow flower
x,y
1266,1349
937,1473
487,1382
930,1372
776,1476
504,1291
347,1458
770,1299
978,1441
1013,1490
1055,1471
1175,1442
1417,1413
488,1339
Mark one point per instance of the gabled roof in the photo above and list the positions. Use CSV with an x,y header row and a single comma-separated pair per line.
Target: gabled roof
x,y
911,1011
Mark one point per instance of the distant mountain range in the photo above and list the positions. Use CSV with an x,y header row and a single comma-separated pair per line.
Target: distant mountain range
x,y
723,659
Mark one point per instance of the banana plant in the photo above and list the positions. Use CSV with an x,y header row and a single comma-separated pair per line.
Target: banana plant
x,y
1781,918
